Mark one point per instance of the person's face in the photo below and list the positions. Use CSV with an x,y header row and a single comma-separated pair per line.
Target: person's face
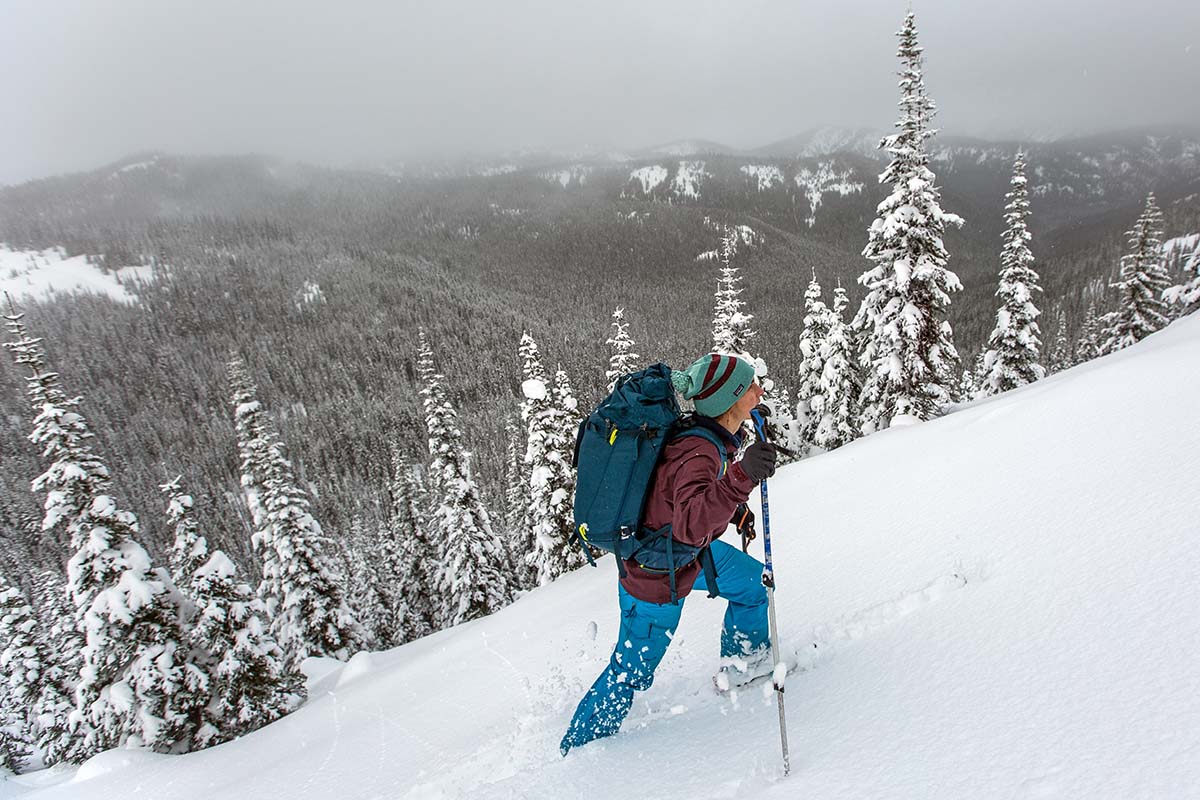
x,y
747,402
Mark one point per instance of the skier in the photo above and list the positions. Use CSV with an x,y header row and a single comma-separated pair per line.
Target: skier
x,y
697,492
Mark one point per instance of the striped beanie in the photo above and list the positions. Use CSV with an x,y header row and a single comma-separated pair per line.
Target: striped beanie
x,y
714,382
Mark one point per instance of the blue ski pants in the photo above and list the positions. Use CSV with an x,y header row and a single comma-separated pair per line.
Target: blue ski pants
x,y
646,631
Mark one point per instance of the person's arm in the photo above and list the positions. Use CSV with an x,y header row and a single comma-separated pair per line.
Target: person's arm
x,y
703,503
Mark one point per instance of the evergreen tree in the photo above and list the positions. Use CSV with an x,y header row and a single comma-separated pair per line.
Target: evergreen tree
x,y
535,401
1087,346
516,504
1060,357
21,660
1014,348
190,549
362,559
817,322
968,386
552,485
301,585
411,558
59,648
250,684
622,360
731,323
132,671
909,356
838,389
1141,310
471,580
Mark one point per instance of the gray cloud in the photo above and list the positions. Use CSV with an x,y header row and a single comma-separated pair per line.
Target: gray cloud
x,y
87,82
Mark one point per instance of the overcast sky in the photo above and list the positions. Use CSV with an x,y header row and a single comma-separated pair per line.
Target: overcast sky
x,y
85,82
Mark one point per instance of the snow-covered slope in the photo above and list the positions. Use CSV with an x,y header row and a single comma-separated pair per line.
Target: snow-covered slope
x,y
998,604
40,274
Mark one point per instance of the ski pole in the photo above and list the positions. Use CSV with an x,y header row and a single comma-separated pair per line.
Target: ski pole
x,y
768,579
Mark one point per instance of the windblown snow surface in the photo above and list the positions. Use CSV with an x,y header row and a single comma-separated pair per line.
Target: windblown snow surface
x,y
1002,603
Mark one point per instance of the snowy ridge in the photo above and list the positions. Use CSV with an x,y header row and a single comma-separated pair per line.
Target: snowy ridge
x,y
822,180
40,274
576,173
649,177
686,185
766,175
987,625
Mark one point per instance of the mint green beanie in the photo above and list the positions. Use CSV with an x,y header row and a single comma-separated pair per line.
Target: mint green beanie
x,y
714,382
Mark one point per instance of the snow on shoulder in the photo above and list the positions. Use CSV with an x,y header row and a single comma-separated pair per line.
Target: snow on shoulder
x,y
998,603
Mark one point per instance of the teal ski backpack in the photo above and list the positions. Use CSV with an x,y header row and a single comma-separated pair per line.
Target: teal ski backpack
x,y
616,452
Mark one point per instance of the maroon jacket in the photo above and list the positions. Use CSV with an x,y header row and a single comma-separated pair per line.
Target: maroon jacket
x,y
687,492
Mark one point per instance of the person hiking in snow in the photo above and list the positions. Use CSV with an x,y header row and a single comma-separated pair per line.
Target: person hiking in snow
x,y
696,490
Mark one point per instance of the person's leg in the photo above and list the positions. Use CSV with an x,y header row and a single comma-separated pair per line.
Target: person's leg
x,y
646,630
739,580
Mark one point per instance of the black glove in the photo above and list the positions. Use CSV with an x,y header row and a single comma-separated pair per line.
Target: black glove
x,y
743,521
758,462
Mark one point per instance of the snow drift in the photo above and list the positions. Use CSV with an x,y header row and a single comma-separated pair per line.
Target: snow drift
x,y
1000,603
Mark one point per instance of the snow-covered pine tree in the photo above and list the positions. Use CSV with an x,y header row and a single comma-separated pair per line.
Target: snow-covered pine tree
x,y
250,685
190,549
968,386
472,576
909,356
817,321
552,484
838,390
1087,346
14,748
536,398
131,677
21,660
60,649
1140,311
621,360
731,323
364,586
410,557
1060,356
301,584
1013,357
516,505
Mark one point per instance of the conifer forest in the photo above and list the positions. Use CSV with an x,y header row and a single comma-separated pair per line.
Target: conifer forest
x,y
335,408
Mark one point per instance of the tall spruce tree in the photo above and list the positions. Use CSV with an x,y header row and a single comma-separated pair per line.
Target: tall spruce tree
x,y
516,505
410,557
909,356
621,360
132,669
301,585
535,400
1140,311
21,659
817,321
1087,346
552,484
1013,357
363,561
833,410
58,649
472,577
190,548
731,324
1060,355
